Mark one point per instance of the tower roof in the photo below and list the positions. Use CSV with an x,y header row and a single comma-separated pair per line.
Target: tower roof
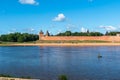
x,y
47,33
41,32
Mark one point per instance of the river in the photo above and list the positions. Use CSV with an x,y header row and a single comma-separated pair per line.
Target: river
x,y
47,63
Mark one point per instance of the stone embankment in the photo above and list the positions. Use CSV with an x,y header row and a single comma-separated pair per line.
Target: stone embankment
x,y
5,78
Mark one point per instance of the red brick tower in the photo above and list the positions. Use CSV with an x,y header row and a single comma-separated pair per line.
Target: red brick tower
x,y
41,34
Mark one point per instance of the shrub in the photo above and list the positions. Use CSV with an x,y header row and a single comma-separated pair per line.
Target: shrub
x,y
62,77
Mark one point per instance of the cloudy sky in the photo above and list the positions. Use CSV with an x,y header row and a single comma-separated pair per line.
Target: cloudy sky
x,y
59,15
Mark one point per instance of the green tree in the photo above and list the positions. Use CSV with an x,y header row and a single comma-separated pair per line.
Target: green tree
x,y
21,39
18,37
68,33
3,37
62,77
112,33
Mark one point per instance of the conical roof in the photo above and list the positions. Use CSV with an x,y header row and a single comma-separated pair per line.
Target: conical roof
x,y
41,32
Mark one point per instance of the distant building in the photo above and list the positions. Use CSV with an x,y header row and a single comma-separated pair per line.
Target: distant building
x,y
47,34
41,34
118,34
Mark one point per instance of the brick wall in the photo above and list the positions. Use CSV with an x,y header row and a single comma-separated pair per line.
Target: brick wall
x,y
101,38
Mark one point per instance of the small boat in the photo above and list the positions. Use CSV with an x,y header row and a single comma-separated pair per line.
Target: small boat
x,y
99,56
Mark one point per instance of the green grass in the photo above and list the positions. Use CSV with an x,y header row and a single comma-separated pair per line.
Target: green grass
x,y
5,75
54,41
9,76
10,43
71,41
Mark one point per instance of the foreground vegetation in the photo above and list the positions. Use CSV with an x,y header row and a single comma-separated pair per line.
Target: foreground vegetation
x,y
9,76
5,75
60,77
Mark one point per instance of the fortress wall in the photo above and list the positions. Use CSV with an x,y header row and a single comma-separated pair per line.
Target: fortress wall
x,y
114,38
101,38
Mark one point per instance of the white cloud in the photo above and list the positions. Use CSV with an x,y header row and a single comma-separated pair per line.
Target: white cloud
x,y
30,30
31,2
109,28
83,29
61,17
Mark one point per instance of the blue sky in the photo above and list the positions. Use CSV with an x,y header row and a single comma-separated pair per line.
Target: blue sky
x,y
59,15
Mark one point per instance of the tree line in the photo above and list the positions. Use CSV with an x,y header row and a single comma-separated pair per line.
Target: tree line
x,y
69,33
18,37
111,33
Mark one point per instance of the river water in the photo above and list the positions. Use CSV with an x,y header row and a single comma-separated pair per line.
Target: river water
x,y
47,63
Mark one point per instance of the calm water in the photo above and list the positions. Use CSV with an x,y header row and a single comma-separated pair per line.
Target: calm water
x,y
46,63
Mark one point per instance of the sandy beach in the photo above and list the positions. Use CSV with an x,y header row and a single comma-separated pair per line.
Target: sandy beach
x,y
62,44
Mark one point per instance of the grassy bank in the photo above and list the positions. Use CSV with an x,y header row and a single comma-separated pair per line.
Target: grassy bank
x,y
9,76
62,43
12,43
71,41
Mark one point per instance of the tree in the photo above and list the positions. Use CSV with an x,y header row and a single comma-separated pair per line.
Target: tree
x,y
21,39
112,33
68,33
75,34
3,37
18,37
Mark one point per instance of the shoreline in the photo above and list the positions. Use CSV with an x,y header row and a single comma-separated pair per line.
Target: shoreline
x,y
62,44
7,78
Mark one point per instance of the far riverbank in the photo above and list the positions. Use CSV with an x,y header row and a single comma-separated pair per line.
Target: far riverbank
x,y
7,78
61,44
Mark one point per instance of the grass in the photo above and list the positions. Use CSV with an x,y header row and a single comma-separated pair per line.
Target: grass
x,y
54,41
9,76
5,75
10,43
70,41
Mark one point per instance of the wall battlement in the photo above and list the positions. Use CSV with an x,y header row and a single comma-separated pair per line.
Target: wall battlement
x,y
80,38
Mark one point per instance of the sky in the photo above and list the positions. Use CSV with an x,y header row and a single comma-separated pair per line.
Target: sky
x,y
59,15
